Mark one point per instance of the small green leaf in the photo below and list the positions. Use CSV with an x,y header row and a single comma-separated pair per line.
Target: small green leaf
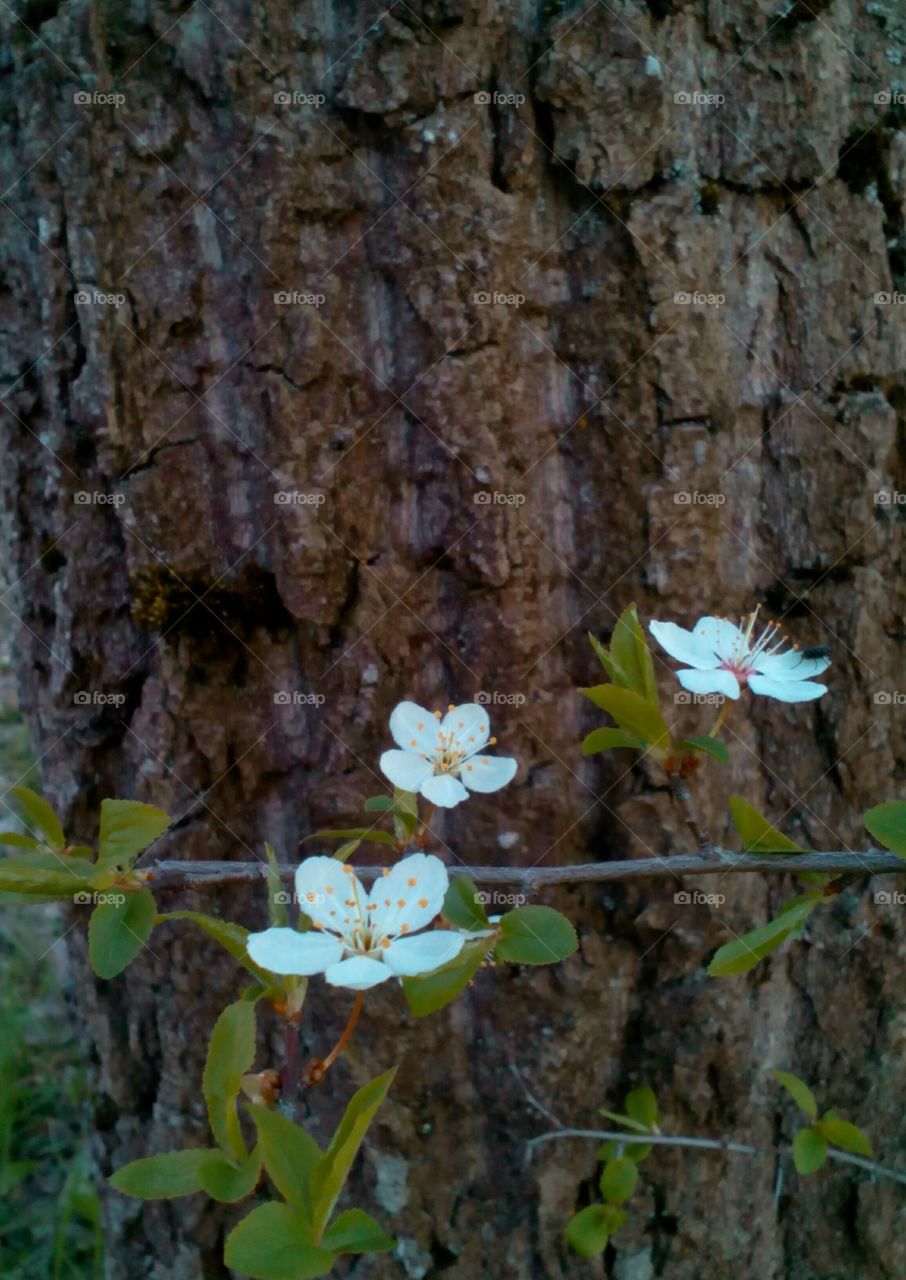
x,y
274,1243
619,1179
333,1168
634,714
609,739
18,840
887,823
353,833
39,814
641,1105
435,990
176,1173
232,937
630,651
809,1150
756,833
345,851
608,662
627,1121
128,827
356,1232
277,914
228,1182
463,907
742,954
710,746
846,1136
535,935
798,1091
231,1053
50,875
591,1228
290,1157
117,931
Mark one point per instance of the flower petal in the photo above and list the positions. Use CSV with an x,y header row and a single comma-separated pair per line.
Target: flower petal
x,y
444,790
358,973
411,895
682,645
288,952
469,726
423,954
724,637
790,665
324,891
405,769
414,728
718,681
488,773
786,690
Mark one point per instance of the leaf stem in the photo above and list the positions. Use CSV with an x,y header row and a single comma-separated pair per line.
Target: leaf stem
x,y
316,1071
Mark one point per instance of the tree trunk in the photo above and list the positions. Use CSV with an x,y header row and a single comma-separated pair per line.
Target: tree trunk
x,y
472,485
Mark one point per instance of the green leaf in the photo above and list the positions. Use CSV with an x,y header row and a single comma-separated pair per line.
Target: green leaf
x,y
591,1228
535,935
887,823
232,937
403,805
742,954
128,827
809,1150
117,931
290,1157
18,840
619,1179
462,906
333,1168
757,834
52,875
227,1182
345,851
710,746
39,814
435,990
841,1133
609,739
608,662
798,1091
277,914
354,833
630,651
641,1105
634,714
274,1243
162,1177
626,1121
231,1053
356,1232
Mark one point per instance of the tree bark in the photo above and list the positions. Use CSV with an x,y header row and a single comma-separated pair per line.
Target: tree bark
x,y
477,484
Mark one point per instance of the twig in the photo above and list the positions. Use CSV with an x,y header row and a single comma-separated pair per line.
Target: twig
x,y
710,1144
173,875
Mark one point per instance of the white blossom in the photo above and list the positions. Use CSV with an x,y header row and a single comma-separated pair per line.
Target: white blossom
x,y
441,758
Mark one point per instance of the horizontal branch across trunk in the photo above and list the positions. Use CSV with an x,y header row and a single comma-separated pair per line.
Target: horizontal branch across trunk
x,y
200,875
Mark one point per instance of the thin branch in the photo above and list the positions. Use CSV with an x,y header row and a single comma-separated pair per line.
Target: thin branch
x,y
174,875
710,1144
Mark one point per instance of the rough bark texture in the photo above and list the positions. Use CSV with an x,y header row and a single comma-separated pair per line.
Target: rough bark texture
x,y
399,400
